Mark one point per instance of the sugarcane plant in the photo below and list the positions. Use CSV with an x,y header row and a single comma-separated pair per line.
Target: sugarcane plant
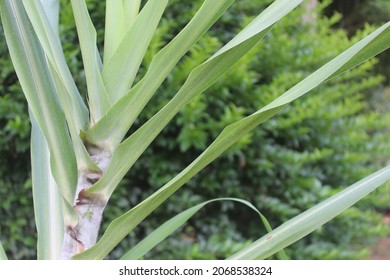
x,y
80,151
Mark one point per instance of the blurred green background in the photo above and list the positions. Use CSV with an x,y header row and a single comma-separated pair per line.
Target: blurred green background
x,y
322,143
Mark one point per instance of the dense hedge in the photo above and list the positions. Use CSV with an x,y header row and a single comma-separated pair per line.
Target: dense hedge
x,y
320,144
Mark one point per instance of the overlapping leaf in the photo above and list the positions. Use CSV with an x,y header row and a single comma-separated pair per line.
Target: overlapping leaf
x,y
111,128
98,98
120,16
73,105
199,80
115,27
47,200
75,111
121,68
130,10
33,72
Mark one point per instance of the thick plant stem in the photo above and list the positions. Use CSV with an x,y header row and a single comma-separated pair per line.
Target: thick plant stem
x,y
83,235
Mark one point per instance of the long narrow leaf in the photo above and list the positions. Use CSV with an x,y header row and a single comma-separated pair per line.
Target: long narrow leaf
x,y
313,218
120,70
371,45
130,150
198,81
74,108
98,98
3,255
34,76
84,161
111,129
120,15
46,197
47,200
52,11
115,27
131,10
167,228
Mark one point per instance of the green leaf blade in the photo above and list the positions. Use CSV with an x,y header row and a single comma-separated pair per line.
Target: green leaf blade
x,y
131,10
112,128
166,229
198,81
34,76
3,255
98,97
115,27
76,113
73,105
120,70
313,218
47,199
226,139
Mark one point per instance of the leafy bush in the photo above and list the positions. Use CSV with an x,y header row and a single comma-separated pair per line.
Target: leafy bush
x,y
290,163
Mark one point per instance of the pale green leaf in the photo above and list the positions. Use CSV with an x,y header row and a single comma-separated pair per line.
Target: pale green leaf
x,y
84,160
312,219
111,129
167,228
121,226
47,200
199,79
131,10
73,105
3,255
74,108
115,27
34,76
52,11
121,68
99,102
120,15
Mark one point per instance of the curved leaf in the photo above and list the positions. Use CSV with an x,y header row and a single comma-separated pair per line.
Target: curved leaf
x,y
372,44
313,218
166,229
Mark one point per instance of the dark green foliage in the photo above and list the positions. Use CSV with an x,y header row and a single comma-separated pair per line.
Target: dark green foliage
x,y
322,143
17,223
374,12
